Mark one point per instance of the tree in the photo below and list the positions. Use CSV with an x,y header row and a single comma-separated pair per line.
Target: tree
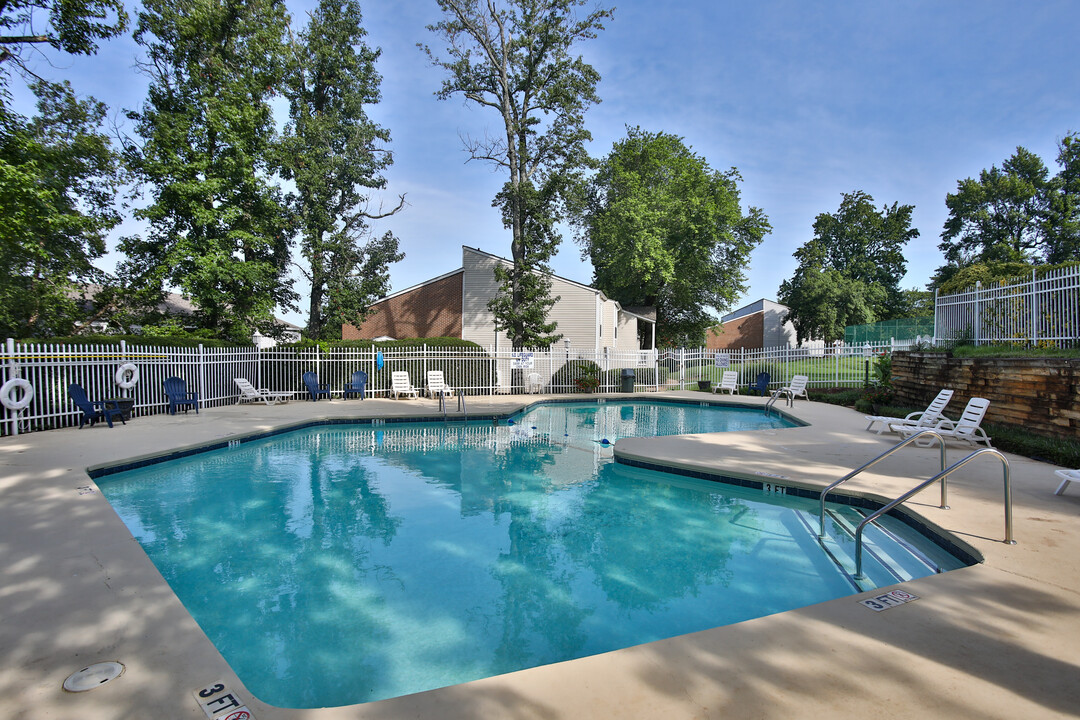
x,y
514,56
58,181
1063,204
333,152
999,217
855,262
218,229
73,26
663,229
823,301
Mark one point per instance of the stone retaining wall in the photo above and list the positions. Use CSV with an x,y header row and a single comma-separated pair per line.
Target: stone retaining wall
x,y
1039,394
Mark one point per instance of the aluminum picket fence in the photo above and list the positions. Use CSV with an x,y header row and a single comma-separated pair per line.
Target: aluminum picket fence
x,y
51,368
1043,309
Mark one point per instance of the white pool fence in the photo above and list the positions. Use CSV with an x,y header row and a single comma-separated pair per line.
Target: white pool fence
x,y
1042,309
51,368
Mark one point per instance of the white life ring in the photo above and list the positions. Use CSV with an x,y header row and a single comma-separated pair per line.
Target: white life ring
x,y
7,394
121,375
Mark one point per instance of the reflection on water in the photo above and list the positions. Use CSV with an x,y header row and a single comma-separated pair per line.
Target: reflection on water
x,y
345,564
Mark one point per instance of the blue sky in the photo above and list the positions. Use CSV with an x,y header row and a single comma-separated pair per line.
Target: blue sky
x,y
809,100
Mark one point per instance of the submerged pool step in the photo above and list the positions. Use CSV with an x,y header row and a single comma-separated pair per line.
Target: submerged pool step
x,y
882,549
887,558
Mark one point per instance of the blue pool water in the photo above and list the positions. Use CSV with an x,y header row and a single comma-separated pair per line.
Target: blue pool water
x,y
348,563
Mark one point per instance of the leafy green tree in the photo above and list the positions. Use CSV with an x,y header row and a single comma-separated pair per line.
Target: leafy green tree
x,y
1063,204
823,301
664,229
72,26
854,262
58,180
514,56
219,230
334,153
998,217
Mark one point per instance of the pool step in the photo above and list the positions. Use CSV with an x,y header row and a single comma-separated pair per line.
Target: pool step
x,y
887,557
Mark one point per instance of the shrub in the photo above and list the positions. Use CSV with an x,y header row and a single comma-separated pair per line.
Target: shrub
x,y
578,373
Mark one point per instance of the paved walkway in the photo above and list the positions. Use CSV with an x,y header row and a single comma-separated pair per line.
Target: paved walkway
x,y
998,640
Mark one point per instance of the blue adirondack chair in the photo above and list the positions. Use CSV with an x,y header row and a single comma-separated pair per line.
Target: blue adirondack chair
x,y
761,385
356,387
92,410
316,388
178,395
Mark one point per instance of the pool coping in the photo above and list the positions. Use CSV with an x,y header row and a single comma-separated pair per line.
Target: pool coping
x,y
78,589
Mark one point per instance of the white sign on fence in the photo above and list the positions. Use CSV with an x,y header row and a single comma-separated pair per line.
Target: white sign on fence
x,y
522,361
723,360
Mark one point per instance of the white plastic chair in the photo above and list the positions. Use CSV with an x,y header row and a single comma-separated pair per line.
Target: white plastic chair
x,y
797,388
533,383
401,385
729,381
1067,476
922,419
248,392
967,428
436,384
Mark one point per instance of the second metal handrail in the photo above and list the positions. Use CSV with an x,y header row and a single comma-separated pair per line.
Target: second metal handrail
x,y
942,475
461,408
882,456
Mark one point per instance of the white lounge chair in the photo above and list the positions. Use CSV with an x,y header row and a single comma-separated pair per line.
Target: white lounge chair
x,y
927,418
966,428
728,381
533,383
249,393
1067,476
797,388
401,385
436,384
502,385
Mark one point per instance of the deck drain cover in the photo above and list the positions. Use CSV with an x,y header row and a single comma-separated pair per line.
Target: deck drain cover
x,y
93,676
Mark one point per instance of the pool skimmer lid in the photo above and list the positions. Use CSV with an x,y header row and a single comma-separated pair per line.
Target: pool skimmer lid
x,y
93,676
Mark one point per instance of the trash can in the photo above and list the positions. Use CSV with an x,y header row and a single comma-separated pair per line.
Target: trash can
x,y
627,377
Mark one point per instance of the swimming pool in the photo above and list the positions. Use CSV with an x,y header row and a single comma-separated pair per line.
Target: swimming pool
x,y
348,563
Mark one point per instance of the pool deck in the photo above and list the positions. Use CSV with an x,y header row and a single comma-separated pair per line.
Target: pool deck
x,y
996,640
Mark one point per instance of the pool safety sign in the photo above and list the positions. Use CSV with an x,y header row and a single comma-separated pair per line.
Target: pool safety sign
x,y
723,360
220,703
522,361
888,600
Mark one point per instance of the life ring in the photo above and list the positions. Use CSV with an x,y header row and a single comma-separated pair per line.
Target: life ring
x,y
7,394
121,375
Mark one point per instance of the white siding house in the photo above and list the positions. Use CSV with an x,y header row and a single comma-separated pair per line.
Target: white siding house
x,y
586,318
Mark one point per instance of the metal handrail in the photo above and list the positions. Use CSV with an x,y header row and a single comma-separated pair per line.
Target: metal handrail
x,y
461,408
942,475
772,400
875,461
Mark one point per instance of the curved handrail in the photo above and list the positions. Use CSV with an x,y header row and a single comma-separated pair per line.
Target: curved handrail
x,y
875,461
942,475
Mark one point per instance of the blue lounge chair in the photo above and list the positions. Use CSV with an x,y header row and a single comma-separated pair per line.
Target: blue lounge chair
x,y
761,385
93,410
316,388
356,387
176,392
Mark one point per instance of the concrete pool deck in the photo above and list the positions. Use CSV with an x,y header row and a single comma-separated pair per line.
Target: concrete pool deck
x,y
996,640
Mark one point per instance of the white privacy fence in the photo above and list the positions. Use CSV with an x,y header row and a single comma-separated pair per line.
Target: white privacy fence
x,y
1043,309
51,369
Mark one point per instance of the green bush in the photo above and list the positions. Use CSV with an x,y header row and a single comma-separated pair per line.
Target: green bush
x,y
576,373
191,340
846,397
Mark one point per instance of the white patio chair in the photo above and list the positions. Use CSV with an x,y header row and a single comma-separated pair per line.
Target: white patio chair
x,y
249,393
967,428
533,383
1067,476
436,384
729,381
797,388
401,385
922,419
